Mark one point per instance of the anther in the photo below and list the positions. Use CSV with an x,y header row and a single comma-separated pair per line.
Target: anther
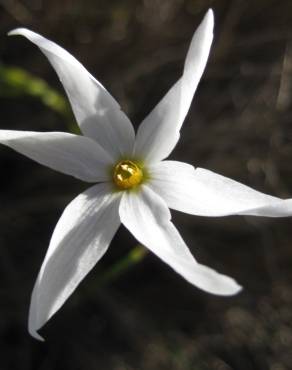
x,y
127,174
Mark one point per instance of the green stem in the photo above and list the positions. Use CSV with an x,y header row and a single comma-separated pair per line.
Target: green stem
x,y
135,256
15,82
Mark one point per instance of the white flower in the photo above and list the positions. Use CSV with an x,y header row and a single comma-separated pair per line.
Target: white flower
x,y
135,184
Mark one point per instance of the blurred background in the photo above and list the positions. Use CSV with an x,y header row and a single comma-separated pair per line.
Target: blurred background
x,y
240,125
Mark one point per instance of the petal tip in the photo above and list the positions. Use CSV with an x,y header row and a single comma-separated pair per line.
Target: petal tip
x,y
33,332
210,13
209,18
34,324
16,31
237,289
21,31
234,289
11,33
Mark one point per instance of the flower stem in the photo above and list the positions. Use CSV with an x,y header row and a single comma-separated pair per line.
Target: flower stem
x,y
135,256
15,82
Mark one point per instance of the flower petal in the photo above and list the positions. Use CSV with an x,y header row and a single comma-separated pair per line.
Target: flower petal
x,y
73,155
159,132
205,193
80,239
98,114
147,217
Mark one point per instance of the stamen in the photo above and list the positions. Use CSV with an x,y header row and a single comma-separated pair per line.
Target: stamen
x,y
127,174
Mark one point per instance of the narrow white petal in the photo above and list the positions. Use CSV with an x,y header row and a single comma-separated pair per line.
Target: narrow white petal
x,y
205,193
159,132
71,154
147,217
98,114
80,239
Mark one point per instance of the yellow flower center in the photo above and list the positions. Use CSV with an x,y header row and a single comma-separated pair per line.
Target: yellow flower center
x,y
127,174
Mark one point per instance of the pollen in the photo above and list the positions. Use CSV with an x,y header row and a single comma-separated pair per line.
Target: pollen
x,y
127,174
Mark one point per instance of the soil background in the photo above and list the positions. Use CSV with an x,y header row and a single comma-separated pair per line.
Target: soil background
x,y
239,125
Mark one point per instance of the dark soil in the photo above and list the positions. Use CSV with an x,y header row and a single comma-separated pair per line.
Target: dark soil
x,y
239,125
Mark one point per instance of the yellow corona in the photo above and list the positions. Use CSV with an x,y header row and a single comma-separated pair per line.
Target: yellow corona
x,y
127,174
